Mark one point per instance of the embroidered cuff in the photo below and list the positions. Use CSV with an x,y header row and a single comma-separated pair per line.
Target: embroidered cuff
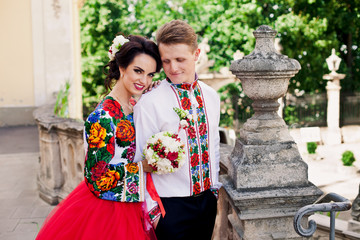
x,y
215,191
134,183
154,213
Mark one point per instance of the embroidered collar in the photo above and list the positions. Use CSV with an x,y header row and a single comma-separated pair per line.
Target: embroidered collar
x,y
185,86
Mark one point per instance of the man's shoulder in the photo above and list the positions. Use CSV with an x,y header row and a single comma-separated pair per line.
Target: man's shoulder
x,y
155,95
208,89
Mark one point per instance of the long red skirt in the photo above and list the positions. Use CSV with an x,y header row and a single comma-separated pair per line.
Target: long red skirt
x,y
81,215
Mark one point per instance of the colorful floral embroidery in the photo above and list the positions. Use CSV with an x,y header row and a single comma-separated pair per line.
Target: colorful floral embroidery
x,y
108,180
125,132
197,134
107,130
185,103
113,108
132,168
215,191
97,136
154,213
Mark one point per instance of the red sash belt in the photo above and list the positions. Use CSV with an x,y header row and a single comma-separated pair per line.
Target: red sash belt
x,y
153,193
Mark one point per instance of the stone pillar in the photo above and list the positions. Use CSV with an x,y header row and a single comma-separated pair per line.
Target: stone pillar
x,y
57,52
267,180
333,134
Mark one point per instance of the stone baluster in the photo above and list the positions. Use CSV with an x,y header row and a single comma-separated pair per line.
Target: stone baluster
x,y
267,179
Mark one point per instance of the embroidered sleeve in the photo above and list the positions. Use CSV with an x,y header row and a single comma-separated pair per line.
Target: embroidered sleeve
x,y
154,213
117,182
215,191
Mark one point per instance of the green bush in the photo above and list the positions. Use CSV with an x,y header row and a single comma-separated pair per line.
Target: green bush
x,y
311,147
348,158
61,108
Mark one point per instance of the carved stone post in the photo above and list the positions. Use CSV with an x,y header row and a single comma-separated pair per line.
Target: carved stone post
x,y
267,180
333,96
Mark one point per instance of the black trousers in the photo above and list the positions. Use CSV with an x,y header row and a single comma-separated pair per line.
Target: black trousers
x,y
188,217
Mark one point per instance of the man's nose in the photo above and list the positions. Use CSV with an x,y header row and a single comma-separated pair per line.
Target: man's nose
x,y
173,67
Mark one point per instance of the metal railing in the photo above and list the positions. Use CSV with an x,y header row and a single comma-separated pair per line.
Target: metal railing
x,y
332,203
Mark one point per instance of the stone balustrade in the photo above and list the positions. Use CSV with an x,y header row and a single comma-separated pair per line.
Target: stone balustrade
x,y
62,155
266,180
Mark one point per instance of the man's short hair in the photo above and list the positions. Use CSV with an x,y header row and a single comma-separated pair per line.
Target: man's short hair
x,y
177,31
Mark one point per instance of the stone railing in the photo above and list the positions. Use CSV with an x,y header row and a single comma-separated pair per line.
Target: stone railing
x,y
62,154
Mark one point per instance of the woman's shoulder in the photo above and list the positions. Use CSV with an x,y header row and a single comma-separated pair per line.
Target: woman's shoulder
x,y
107,108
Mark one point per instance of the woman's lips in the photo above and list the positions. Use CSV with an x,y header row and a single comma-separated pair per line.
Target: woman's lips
x,y
139,87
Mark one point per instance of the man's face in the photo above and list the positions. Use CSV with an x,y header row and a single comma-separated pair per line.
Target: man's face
x,y
179,62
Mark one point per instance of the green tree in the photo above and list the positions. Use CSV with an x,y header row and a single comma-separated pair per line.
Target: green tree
x,y
307,29
343,28
100,20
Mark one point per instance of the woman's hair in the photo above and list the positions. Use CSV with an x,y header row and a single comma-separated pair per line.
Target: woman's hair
x,y
124,57
177,31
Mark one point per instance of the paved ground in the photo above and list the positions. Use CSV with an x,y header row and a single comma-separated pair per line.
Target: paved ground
x,y
22,212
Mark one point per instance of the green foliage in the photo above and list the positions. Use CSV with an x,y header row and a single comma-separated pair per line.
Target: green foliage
x,y
100,21
311,147
235,105
342,29
348,158
307,30
305,110
61,108
290,115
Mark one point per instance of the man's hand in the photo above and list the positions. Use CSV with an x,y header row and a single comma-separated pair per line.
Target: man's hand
x,y
156,223
146,166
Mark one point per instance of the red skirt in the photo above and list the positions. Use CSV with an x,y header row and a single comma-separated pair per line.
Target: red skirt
x,y
81,215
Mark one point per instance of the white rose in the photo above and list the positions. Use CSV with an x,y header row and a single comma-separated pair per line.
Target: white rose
x,y
149,155
119,41
184,124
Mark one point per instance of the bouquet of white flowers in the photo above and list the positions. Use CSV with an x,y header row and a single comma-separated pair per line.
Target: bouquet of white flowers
x,y
165,152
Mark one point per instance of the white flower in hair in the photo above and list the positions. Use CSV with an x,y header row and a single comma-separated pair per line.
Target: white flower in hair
x,y
115,47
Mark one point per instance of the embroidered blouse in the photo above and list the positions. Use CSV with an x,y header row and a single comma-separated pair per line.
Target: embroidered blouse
x,y
110,170
154,113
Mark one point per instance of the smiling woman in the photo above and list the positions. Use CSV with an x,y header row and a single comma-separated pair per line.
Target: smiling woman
x,y
114,183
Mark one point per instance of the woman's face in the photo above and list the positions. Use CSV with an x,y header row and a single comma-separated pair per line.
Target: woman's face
x,y
138,74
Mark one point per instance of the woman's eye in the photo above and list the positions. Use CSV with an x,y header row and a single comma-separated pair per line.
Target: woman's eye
x,y
151,75
137,70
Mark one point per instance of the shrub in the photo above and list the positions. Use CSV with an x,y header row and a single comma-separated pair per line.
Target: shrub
x,y
61,108
348,158
311,147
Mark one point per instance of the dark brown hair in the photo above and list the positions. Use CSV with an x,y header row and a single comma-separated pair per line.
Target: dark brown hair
x,y
124,57
177,31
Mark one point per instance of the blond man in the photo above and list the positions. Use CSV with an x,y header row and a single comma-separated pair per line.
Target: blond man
x,y
189,195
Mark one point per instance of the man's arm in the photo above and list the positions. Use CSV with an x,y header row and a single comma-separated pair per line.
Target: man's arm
x,y
145,127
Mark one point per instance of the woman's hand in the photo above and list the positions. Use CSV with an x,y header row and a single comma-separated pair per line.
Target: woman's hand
x,y
153,84
146,166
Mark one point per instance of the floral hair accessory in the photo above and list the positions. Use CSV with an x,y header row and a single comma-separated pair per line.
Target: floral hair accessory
x,y
115,47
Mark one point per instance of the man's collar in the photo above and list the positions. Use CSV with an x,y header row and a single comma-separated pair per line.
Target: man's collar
x,y
185,86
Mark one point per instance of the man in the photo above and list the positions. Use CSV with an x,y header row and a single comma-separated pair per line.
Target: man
x,y
189,194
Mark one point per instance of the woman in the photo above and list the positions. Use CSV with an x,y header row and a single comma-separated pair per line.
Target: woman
x,y
109,203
